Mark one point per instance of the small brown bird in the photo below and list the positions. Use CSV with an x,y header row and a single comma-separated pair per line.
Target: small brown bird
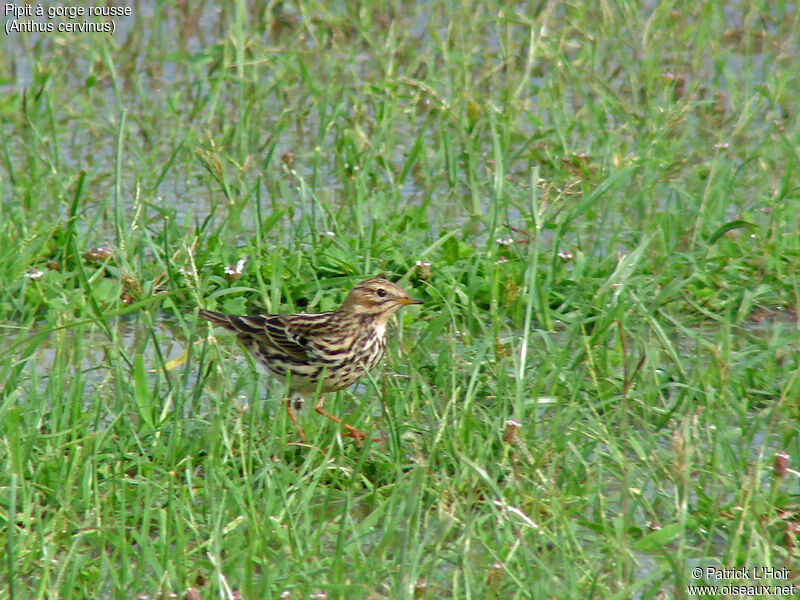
x,y
326,351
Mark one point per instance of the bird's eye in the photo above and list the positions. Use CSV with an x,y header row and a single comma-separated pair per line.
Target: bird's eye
x,y
381,292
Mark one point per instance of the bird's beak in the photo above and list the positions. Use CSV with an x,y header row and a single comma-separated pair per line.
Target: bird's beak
x,y
405,301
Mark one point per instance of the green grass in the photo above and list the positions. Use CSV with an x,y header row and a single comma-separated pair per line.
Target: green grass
x,y
639,318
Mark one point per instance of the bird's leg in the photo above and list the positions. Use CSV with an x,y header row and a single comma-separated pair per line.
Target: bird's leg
x,y
351,431
292,418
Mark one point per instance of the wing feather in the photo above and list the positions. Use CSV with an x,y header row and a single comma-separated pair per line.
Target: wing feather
x,y
283,335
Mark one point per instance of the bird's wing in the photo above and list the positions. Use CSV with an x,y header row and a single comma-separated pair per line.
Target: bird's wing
x,y
288,335
272,333
284,334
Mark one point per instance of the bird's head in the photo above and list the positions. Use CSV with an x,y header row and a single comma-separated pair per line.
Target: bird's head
x,y
378,297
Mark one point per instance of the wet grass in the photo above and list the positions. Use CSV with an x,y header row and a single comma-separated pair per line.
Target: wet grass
x,y
597,203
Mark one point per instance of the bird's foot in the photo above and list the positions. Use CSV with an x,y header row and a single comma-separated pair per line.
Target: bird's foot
x,y
359,435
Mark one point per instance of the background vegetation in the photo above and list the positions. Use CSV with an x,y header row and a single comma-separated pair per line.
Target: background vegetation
x,y
598,202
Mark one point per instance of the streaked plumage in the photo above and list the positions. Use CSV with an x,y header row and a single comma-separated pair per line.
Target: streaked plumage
x,y
336,347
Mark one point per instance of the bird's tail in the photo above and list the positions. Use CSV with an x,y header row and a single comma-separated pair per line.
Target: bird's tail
x,y
217,318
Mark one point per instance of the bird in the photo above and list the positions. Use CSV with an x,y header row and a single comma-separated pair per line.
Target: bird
x,y
321,352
